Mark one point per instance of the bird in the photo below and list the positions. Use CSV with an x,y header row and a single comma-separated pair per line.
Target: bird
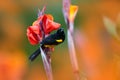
x,y
49,42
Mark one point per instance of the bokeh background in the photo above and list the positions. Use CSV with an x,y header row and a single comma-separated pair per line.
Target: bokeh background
x,y
98,53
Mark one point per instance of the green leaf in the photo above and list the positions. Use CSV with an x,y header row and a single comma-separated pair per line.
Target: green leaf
x,y
110,27
118,24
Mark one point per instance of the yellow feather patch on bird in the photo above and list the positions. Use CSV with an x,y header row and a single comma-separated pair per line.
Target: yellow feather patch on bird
x,y
60,40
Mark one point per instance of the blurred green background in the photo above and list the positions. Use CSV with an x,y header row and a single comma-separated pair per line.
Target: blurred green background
x,y
17,15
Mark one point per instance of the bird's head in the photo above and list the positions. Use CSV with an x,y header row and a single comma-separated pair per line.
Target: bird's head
x,y
60,32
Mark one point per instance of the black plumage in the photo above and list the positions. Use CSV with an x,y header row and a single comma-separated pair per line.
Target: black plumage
x,y
51,40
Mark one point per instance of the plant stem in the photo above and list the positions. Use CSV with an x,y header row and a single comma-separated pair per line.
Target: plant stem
x,y
47,64
72,52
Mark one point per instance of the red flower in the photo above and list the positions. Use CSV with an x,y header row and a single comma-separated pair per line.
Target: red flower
x,y
34,32
49,25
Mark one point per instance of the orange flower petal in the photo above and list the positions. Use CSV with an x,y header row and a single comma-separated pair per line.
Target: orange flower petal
x,y
50,17
73,11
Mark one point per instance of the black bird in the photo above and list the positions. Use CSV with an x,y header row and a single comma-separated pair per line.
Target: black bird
x,y
50,41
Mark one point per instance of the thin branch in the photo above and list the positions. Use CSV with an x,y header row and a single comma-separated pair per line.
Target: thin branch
x,y
47,65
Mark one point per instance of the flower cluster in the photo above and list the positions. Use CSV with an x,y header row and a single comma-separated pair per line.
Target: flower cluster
x,y
41,28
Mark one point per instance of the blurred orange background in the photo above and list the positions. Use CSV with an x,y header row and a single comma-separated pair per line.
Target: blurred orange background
x,y
98,54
